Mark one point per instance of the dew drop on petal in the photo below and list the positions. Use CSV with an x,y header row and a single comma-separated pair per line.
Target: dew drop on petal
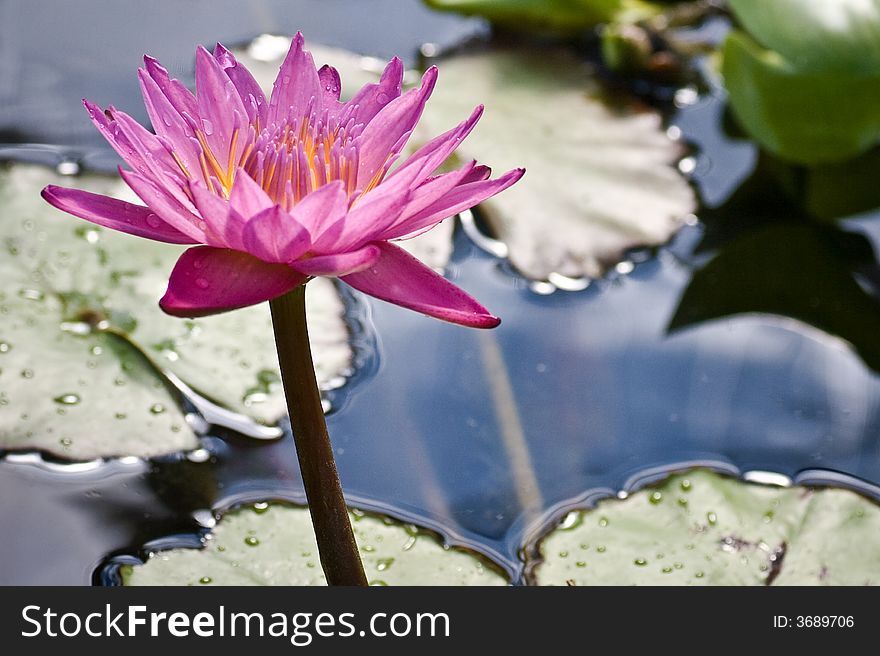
x,y
202,283
67,399
153,221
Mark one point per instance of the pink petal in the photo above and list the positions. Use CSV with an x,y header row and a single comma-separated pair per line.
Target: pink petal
x,y
339,264
297,83
401,279
432,190
209,280
457,200
168,122
224,224
159,166
322,208
389,126
250,92
274,236
247,197
177,94
373,97
114,214
371,215
166,206
111,131
430,156
331,85
220,108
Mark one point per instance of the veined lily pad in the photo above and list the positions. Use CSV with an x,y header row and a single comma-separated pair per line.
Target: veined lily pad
x,y
598,180
275,545
69,283
701,528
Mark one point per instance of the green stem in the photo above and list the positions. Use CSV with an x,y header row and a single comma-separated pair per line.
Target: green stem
x,y
336,544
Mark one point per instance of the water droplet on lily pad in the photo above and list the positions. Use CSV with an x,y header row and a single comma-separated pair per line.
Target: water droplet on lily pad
x,y
67,399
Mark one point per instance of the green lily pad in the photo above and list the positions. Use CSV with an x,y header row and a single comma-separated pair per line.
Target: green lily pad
x,y
599,180
73,288
701,528
841,36
797,114
275,545
561,16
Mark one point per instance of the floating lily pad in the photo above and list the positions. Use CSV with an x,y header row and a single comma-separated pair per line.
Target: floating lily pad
x,y
599,180
551,15
275,545
71,284
701,528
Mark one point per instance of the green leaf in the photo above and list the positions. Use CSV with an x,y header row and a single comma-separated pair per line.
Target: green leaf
x,y
72,287
801,271
275,545
834,35
563,16
599,179
701,528
804,116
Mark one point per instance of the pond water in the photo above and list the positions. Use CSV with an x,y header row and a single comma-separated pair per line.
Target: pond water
x,y
673,359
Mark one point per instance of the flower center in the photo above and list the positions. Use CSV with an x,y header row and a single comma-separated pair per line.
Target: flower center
x,y
290,159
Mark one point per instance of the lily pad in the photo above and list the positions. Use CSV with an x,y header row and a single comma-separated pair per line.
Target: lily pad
x,y
275,545
72,286
702,528
797,114
563,16
599,180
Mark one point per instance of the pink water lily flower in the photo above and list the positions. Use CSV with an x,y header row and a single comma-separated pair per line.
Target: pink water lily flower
x,y
277,192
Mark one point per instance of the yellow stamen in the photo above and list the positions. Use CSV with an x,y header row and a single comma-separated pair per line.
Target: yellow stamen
x,y
181,164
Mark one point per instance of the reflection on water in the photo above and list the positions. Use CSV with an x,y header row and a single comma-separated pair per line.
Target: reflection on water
x,y
483,436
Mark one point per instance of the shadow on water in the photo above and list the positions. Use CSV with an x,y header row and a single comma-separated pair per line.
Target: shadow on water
x,y
725,348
